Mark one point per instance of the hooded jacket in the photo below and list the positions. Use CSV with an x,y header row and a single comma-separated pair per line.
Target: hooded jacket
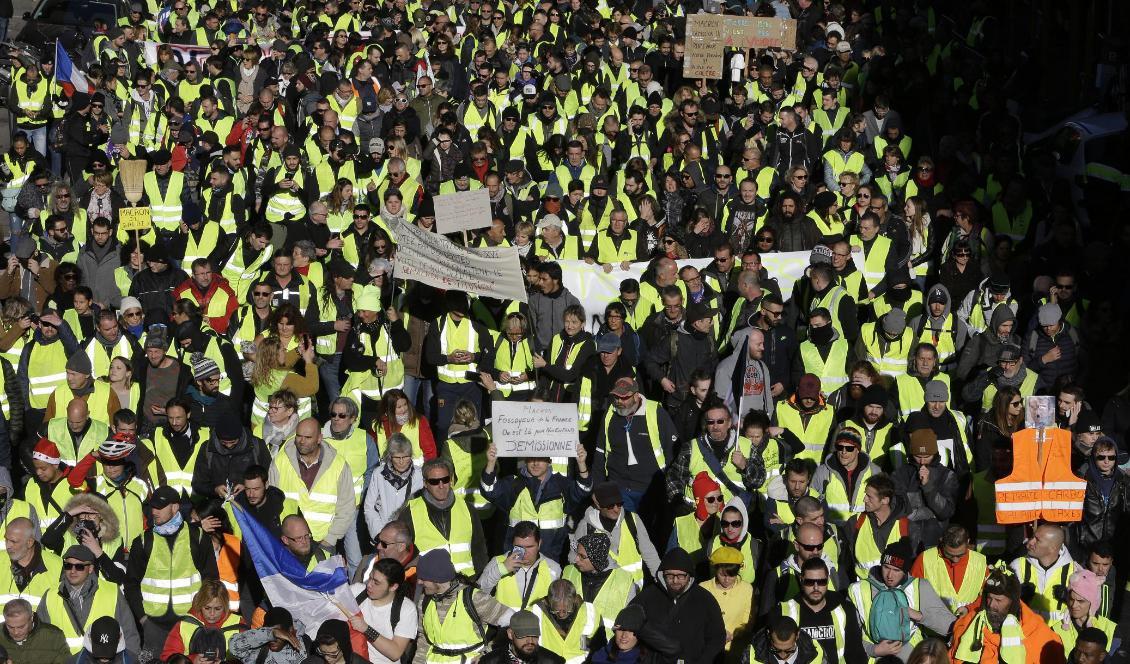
x,y
503,492
217,464
932,504
1072,360
692,615
983,349
1105,502
920,323
729,376
547,312
53,537
936,616
807,650
679,356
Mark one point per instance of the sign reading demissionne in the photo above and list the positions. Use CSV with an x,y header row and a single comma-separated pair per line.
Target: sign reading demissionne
x,y
524,429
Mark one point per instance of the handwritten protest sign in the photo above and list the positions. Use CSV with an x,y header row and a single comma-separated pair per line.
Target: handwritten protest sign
x,y
463,211
437,261
759,32
135,219
705,47
523,429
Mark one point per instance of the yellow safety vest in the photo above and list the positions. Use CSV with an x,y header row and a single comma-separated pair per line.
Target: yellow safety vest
x,y
698,465
48,507
868,552
991,536
37,587
573,645
791,609
170,575
167,211
874,259
1046,601
100,358
105,603
517,358
887,356
607,252
97,402
461,335
165,464
46,372
814,435
509,594
60,434
861,595
354,448
831,372
34,101
842,506
456,633
912,393
319,502
612,596
934,571
428,537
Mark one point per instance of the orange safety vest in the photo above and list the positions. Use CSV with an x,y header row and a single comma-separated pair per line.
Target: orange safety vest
x,y
1042,485
227,561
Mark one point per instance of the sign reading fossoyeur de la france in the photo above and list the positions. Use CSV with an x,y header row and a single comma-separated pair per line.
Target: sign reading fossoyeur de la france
x,y
437,261
463,211
525,429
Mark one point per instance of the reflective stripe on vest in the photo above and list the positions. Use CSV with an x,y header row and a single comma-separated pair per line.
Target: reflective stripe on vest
x,y
166,210
934,570
461,336
319,502
458,543
104,603
1040,487
814,434
170,576
831,372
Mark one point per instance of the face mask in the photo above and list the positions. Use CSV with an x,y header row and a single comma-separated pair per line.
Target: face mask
x,y
898,295
402,419
820,335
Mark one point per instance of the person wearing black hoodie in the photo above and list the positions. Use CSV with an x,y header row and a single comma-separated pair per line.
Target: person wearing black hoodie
x,y
678,607
983,349
783,635
688,347
1107,498
930,488
225,457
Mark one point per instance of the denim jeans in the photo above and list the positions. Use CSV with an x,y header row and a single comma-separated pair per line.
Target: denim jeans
x,y
328,373
38,138
419,391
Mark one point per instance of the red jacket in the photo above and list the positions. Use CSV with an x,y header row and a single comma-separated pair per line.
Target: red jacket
x,y
216,305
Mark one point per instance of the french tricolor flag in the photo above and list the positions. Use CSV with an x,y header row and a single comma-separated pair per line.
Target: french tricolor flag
x,y
69,77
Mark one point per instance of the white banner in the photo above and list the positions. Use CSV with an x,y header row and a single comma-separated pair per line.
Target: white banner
x,y
525,429
595,288
434,260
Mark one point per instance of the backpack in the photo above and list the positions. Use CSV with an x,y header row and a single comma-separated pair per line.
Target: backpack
x,y
889,618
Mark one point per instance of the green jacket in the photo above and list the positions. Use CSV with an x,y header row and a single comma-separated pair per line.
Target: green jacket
x,y
44,645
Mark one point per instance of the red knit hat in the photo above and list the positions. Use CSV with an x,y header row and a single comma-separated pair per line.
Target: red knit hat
x,y
702,485
46,451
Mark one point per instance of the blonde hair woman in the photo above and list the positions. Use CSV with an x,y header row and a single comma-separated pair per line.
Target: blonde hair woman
x,y
276,369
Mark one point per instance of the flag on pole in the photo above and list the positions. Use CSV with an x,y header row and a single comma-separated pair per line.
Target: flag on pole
x,y
315,596
69,77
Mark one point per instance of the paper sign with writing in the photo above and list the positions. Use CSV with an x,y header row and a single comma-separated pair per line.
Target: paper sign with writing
x,y
525,429
760,32
135,219
463,211
437,261
705,48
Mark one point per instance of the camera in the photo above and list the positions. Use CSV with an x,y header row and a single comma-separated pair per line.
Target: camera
x,y
87,525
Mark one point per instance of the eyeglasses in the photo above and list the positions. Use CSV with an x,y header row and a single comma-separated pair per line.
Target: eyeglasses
x,y
722,176
436,481
962,254
1016,404
811,547
764,238
75,566
864,194
731,524
800,176
846,184
782,653
300,538
132,314
716,422
846,448
383,544
611,506
261,294
810,583
360,215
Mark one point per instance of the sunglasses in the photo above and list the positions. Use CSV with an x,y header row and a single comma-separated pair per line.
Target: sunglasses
x,y
436,481
963,254
340,416
731,524
611,506
721,421
76,566
846,448
267,294
1105,457
811,547
764,239
809,583
712,499
384,544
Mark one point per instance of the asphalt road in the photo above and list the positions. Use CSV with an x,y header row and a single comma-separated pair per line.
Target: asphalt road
x,y
14,27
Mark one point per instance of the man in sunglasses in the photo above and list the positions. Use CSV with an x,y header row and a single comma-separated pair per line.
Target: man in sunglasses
x,y
824,614
783,642
82,598
783,582
442,520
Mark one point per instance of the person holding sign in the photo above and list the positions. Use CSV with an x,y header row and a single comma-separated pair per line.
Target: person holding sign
x,y
540,495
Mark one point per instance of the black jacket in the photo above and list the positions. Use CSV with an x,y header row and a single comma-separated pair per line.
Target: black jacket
x,y
217,464
693,617
501,655
203,558
931,504
806,649
154,290
1101,516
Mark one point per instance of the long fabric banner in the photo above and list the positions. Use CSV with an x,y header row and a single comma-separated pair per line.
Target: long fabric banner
x,y
437,261
595,288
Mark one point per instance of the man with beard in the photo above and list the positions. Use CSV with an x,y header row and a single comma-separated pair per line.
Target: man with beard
x,y
825,614
719,448
948,425
999,627
684,610
598,579
784,582
875,427
922,369
297,538
689,347
743,214
523,636
794,230
1010,371
451,610
606,367
161,378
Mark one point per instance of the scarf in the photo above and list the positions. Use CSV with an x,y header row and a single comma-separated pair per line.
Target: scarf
x,y
78,595
274,436
396,480
970,645
446,504
171,526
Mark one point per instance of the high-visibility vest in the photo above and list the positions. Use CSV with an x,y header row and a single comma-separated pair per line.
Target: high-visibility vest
x,y
17,509
945,340
814,434
1050,600
612,596
651,419
100,357
830,124
1027,388
831,372
319,502
240,276
874,259
934,571
346,113
127,502
104,603
97,402
887,356
189,625
826,227
549,515
868,552
13,354
1016,227
461,335
990,534
202,248
165,463
626,553
688,536
1070,634
861,595
411,431
70,453
607,252
354,448
517,358
1040,488
166,210
456,633
876,442
791,609
48,507
226,220
970,645
46,372
697,464
37,587
912,393
573,645
368,384
842,506
28,100
831,301
170,574
458,541
286,202
469,461
508,593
